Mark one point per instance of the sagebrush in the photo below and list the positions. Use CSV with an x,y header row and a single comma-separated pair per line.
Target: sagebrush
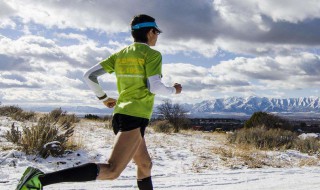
x,y
14,135
274,139
308,145
163,126
57,126
263,138
17,113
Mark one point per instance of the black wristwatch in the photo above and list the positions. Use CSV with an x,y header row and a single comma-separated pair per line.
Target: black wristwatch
x,y
102,97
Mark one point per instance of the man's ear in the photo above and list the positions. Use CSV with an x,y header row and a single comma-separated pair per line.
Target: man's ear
x,y
150,32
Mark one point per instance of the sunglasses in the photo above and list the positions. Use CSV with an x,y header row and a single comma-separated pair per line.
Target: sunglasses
x,y
156,31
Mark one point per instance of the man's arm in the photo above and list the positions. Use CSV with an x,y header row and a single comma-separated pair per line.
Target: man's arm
x,y
156,86
91,79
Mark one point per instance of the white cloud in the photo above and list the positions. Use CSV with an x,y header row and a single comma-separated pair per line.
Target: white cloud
x,y
73,36
52,67
267,27
45,71
290,10
72,14
281,72
167,46
247,76
245,12
192,26
7,23
240,15
196,78
256,48
27,45
185,70
5,9
31,47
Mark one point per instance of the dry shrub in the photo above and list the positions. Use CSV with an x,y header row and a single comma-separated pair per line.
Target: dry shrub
x,y
308,145
269,139
24,116
309,162
14,135
263,138
108,124
56,126
235,158
35,137
9,110
224,152
75,142
59,116
254,160
16,113
162,126
174,113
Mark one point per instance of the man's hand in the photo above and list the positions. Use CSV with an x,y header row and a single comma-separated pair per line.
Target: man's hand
x,y
110,102
178,88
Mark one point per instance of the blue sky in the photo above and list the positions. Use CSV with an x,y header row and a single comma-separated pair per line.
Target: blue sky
x,y
215,49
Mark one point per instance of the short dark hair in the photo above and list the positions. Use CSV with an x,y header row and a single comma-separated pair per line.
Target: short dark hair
x,y
140,35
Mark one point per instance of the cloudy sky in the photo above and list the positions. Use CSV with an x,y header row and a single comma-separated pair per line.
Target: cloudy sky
x,y
214,48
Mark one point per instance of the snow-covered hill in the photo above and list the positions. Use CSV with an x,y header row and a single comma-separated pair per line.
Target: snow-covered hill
x,y
253,104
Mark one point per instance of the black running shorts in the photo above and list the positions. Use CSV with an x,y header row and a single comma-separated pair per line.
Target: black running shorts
x,y
121,122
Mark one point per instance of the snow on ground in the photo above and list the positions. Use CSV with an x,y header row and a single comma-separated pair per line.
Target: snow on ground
x,y
308,135
181,161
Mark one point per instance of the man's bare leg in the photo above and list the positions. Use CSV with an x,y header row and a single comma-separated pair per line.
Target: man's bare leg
x,y
143,161
144,165
125,147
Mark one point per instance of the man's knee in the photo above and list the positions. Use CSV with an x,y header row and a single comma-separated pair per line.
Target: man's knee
x,y
109,172
145,165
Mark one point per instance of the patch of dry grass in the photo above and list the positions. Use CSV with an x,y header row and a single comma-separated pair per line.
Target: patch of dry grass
x,y
263,138
236,157
55,126
76,142
308,145
17,113
274,139
308,162
163,126
14,135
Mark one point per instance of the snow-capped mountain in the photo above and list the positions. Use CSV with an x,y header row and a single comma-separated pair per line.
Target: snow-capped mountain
x,y
252,104
220,107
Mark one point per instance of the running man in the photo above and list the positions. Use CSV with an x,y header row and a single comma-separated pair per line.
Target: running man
x,y
138,71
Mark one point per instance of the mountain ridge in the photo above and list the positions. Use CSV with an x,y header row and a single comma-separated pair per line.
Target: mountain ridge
x,y
219,106
253,104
